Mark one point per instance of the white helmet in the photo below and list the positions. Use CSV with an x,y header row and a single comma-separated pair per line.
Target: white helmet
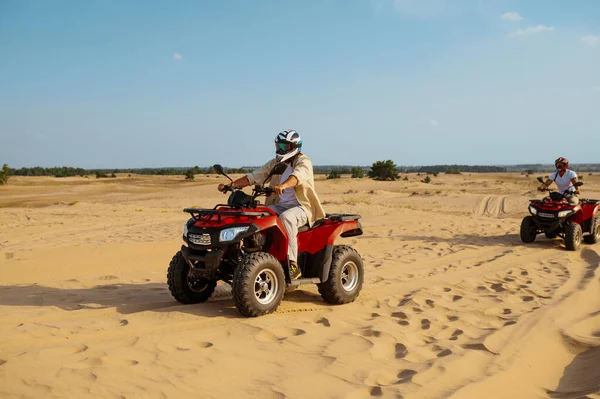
x,y
287,144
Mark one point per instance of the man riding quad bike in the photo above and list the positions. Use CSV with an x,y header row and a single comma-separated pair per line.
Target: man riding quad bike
x,y
558,216
252,246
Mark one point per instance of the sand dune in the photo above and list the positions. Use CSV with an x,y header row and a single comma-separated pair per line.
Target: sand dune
x,y
453,305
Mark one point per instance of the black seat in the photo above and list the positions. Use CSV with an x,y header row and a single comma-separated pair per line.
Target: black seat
x,y
306,227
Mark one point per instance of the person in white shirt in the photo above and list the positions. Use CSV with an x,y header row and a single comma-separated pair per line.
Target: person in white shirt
x,y
295,200
565,180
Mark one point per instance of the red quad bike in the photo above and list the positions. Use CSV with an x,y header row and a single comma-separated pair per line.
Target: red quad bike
x,y
555,217
245,244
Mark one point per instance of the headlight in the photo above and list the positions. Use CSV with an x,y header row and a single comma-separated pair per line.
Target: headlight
x,y
185,230
230,234
532,210
563,214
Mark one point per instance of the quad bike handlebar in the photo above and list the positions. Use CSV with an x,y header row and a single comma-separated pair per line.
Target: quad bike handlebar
x,y
258,188
562,195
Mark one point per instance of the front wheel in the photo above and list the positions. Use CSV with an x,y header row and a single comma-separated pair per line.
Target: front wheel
x,y
594,238
184,286
528,229
258,284
573,235
346,276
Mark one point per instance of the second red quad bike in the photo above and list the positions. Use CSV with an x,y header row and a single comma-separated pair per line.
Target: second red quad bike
x,y
244,243
556,217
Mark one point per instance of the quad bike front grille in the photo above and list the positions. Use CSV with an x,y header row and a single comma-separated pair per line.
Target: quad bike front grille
x,y
199,239
547,224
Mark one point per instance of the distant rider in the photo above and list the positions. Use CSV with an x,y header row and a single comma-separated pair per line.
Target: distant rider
x,y
565,179
295,207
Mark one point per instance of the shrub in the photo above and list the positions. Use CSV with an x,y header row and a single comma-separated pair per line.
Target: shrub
x,y
405,178
113,175
435,174
334,174
427,180
453,172
383,170
5,173
100,175
357,173
189,175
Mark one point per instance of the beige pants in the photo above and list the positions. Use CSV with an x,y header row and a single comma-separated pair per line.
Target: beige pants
x,y
573,199
292,218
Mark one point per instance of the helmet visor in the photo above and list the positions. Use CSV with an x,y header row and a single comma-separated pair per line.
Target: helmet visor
x,y
282,148
560,165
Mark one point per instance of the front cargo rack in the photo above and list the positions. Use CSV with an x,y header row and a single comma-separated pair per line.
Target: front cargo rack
x,y
198,213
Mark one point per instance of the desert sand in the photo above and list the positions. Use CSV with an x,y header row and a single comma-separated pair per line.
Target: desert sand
x,y
453,304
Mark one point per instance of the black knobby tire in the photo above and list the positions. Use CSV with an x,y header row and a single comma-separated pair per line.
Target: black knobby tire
x,y
573,236
346,276
594,238
182,288
528,229
256,272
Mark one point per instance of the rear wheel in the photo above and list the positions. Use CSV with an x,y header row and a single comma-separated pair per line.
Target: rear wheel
x,y
528,229
184,286
346,276
258,284
573,236
594,238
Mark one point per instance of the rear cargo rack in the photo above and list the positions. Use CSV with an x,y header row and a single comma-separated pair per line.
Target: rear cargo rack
x,y
343,217
590,201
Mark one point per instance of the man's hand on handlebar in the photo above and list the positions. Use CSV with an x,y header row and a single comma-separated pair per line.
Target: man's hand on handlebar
x,y
224,188
263,190
278,189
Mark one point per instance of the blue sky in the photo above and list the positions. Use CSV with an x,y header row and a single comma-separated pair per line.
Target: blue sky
x,y
155,83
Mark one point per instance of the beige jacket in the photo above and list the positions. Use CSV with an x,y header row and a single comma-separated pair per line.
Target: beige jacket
x,y
305,190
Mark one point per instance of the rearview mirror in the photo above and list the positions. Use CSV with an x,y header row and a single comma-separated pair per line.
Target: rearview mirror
x,y
219,169
540,179
278,169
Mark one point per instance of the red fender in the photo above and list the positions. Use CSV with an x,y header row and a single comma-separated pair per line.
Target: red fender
x,y
326,233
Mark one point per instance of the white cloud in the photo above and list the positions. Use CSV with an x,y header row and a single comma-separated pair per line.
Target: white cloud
x,y
531,30
592,40
511,16
434,123
177,56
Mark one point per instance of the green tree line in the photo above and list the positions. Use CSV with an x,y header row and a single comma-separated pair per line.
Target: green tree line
x,y
333,170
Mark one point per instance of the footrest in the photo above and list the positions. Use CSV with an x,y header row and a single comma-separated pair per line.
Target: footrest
x,y
302,281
